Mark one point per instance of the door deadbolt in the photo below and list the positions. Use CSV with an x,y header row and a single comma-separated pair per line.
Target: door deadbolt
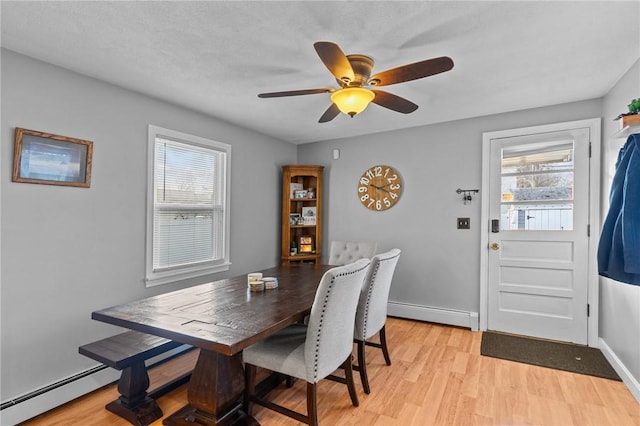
x,y
494,246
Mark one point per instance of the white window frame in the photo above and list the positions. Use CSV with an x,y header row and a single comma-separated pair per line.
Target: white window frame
x,y
178,273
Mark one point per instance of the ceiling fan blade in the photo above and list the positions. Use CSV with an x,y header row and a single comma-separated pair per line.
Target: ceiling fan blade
x,y
329,114
393,102
412,71
295,93
335,60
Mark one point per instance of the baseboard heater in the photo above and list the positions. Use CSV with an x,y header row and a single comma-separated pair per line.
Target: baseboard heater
x,y
48,388
434,314
38,408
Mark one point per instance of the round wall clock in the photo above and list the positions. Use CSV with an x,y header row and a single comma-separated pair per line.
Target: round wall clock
x,y
379,188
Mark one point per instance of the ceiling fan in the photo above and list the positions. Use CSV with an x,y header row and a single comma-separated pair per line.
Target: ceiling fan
x,y
353,74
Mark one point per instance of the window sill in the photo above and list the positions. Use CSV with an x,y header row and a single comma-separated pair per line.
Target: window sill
x,y
159,278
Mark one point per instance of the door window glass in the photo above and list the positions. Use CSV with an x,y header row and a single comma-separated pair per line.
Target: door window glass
x,y
537,187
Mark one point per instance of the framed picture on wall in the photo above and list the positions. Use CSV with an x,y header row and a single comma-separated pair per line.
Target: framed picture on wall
x,y
50,159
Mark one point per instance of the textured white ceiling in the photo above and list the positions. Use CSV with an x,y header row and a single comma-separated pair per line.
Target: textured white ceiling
x,y
215,57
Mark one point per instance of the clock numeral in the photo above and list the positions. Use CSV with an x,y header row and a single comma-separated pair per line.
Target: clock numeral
x,y
364,198
363,189
371,201
378,170
393,195
370,174
364,181
392,178
387,202
378,205
394,186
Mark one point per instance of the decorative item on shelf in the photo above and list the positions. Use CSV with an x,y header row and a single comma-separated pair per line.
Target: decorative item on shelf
x,y
305,244
311,193
308,216
294,218
294,248
466,194
630,120
300,194
293,187
632,117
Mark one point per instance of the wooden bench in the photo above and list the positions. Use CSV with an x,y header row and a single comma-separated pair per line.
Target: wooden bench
x,y
128,352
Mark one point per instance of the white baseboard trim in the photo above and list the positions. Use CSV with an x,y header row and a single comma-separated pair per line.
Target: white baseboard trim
x,y
432,314
46,401
621,369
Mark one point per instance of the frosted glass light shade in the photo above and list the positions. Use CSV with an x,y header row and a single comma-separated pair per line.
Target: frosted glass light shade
x,y
352,100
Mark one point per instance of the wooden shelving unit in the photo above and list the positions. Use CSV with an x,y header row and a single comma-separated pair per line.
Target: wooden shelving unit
x,y
306,232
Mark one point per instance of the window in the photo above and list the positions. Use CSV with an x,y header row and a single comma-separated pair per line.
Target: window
x,y
537,187
187,208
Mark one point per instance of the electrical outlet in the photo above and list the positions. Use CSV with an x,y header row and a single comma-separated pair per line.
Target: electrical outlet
x,y
464,223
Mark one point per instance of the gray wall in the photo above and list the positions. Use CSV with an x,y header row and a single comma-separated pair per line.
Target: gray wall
x,y
619,302
69,251
440,265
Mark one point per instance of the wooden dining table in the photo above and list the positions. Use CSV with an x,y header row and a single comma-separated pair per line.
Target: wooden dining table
x,y
221,318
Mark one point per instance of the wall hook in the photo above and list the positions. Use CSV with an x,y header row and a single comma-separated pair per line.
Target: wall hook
x,y
466,194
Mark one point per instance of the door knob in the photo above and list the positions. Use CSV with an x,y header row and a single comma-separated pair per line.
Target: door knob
x,y
494,246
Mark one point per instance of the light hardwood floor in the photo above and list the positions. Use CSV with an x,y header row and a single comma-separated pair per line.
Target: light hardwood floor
x,y
437,377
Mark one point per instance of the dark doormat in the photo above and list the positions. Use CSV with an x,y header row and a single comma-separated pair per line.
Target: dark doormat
x,y
561,356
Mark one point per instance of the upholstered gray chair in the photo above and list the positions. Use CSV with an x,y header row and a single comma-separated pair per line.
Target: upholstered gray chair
x,y
371,314
314,351
345,252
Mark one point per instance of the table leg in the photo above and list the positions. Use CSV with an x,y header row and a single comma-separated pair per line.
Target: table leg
x,y
214,394
134,405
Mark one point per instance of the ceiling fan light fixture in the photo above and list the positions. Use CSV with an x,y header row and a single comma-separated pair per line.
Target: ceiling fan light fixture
x,y
352,100
353,74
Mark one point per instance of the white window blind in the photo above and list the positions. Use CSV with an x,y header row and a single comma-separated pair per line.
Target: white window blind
x,y
189,216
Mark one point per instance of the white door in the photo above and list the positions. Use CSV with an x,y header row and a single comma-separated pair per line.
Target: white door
x,y
538,235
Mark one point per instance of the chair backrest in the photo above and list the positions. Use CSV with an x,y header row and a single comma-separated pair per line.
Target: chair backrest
x,y
345,252
372,306
330,328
